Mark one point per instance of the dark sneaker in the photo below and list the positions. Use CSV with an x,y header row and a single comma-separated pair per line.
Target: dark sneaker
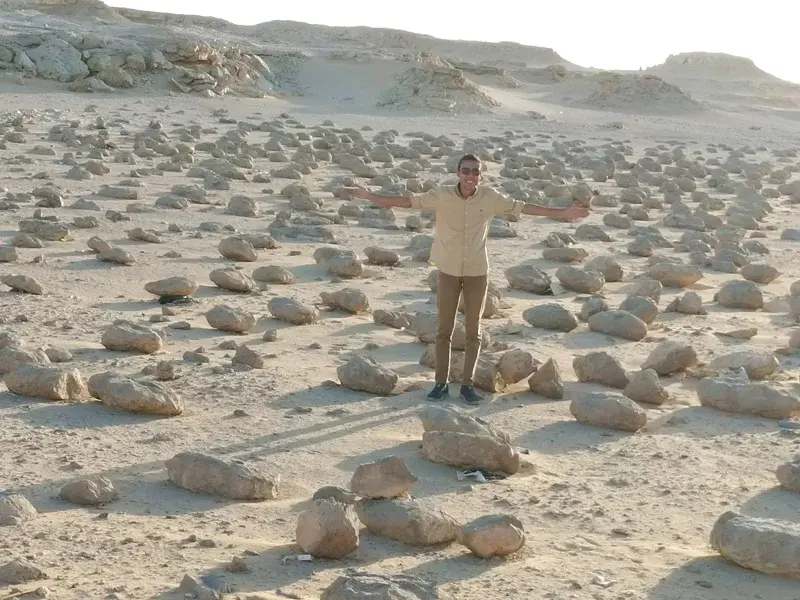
x,y
439,391
468,395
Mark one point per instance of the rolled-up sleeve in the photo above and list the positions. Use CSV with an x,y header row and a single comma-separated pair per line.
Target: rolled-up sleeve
x,y
425,201
507,207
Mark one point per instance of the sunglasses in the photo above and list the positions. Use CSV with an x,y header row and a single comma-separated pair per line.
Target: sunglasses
x,y
466,171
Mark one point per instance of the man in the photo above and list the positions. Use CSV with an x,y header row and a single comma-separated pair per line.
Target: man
x,y
463,215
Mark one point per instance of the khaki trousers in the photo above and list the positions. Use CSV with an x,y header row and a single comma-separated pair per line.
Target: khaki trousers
x,y
450,290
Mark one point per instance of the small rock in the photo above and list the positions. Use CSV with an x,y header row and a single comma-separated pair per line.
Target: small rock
x,y
449,418
238,565
740,294
117,256
172,286
89,492
641,307
550,316
607,265
128,337
292,311
386,478
235,248
20,571
567,255
671,357
382,256
247,356
493,535
759,273
205,474
365,374
618,323
767,545
232,280
608,409
546,381
145,397
788,475
274,274
347,299
227,318
470,451
675,275
328,529
689,303
407,521
15,509
45,381
516,364
600,367
579,280
757,365
592,306
733,392
22,283
644,386
391,319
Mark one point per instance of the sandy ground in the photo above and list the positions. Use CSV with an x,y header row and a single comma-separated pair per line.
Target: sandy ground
x,y
609,515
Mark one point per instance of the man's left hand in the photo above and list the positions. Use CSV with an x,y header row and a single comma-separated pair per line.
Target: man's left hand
x,y
574,213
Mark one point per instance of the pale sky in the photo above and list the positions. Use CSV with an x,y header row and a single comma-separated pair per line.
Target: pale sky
x,y
610,34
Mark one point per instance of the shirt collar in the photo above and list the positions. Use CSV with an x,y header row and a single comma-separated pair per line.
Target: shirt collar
x,y
462,196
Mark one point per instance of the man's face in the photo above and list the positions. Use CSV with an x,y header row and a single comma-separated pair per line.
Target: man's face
x,y
469,173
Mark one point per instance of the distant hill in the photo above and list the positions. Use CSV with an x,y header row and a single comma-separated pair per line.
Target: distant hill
x,y
712,66
80,9
305,35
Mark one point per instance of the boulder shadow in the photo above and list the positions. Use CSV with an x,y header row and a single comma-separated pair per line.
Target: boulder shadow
x,y
774,503
713,578
276,569
92,264
308,273
211,291
702,422
586,339
409,451
127,306
70,415
143,486
411,296
453,569
565,437
355,329
147,492
327,394
215,261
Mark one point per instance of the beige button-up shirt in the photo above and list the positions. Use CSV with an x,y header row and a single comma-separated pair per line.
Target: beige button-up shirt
x,y
462,226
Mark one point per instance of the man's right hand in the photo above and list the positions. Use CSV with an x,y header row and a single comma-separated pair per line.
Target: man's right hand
x,y
357,191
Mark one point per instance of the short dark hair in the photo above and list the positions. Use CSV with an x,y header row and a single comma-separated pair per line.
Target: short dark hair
x,y
468,158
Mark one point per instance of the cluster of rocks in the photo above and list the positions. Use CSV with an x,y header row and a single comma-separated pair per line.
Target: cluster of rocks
x,y
617,90
379,499
720,228
104,63
434,83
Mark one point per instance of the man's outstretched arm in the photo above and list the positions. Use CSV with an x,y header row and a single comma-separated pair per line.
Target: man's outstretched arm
x,y
383,201
572,213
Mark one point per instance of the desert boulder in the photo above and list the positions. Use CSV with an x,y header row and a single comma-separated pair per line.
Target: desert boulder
x,y
205,474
